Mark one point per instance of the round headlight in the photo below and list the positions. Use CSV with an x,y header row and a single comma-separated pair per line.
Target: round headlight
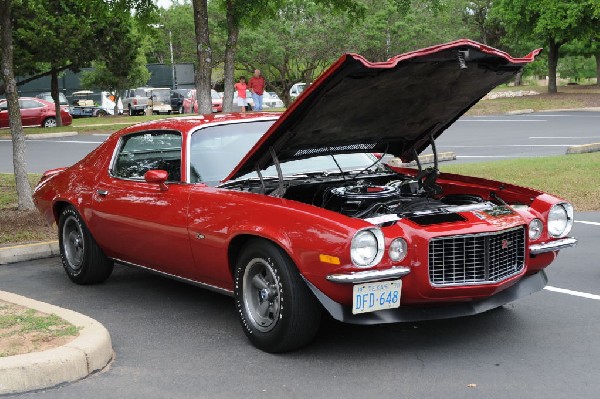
x,y
535,229
398,250
366,249
560,220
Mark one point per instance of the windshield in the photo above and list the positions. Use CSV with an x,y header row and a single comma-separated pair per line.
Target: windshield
x,y
216,150
160,95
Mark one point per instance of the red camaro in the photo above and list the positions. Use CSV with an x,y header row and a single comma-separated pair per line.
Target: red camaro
x,y
35,112
293,216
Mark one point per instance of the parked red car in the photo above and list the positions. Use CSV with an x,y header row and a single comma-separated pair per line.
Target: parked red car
x,y
217,102
309,221
35,112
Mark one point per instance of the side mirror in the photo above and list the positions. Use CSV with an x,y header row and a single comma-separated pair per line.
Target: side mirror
x,y
157,176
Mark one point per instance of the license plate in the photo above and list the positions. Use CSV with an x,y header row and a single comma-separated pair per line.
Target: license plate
x,y
370,297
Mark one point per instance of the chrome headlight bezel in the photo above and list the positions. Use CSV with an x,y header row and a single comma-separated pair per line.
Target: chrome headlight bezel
x,y
398,249
560,220
536,228
360,243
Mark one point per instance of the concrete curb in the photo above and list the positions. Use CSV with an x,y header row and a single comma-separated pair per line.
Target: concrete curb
x,y
583,149
24,252
585,109
424,159
520,112
89,352
41,136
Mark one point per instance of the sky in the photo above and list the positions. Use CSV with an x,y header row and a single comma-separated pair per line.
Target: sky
x,y
163,3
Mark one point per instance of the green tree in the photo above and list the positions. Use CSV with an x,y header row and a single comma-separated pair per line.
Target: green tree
x,y
12,98
550,22
179,20
204,56
295,45
121,62
49,35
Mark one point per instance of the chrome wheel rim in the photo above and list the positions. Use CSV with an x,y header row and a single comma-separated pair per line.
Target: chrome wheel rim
x,y
73,243
261,295
50,123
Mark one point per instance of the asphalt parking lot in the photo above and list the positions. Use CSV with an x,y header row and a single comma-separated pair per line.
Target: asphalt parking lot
x,y
175,340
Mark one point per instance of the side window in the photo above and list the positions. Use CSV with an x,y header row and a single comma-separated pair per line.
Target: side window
x,y
26,104
141,152
3,106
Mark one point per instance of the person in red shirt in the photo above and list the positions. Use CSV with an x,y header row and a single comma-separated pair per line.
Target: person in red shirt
x,y
241,87
257,88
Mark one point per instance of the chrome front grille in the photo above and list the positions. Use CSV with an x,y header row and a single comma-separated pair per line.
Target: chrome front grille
x,y
476,258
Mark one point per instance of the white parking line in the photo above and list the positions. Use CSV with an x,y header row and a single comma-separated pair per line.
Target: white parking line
x,y
565,137
502,120
504,145
585,222
61,141
574,293
491,156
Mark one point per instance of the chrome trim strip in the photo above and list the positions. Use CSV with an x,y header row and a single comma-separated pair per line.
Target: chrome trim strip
x,y
174,277
552,246
369,275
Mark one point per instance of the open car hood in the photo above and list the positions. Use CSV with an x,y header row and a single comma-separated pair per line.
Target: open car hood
x,y
395,107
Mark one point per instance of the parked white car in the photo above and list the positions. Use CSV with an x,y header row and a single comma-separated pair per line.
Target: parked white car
x,y
272,100
297,89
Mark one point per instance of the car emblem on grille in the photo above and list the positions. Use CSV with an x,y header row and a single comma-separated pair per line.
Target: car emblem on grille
x,y
505,244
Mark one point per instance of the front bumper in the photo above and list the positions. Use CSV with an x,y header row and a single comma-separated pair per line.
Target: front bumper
x,y
524,287
552,246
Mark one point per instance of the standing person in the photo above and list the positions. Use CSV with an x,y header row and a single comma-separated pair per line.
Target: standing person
x,y
257,88
241,87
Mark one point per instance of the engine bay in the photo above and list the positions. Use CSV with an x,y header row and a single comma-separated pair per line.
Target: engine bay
x,y
373,196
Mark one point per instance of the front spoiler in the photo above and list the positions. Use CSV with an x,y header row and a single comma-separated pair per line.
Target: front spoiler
x,y
526,286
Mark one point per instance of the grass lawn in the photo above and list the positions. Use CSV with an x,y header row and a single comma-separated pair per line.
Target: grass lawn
x,y
577,96
572,177
105,124
20,226
25,330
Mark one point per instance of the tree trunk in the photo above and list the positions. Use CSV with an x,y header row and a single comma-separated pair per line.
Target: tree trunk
x,y
55,95
116,108
553,49
233,30
204,52
519,78
25,201
597,55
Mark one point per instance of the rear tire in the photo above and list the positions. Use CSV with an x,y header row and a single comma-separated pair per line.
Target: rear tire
x,y
276,309
83,260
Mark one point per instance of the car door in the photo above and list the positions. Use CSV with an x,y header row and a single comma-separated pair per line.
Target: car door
x,y
3,114
30,111
140,222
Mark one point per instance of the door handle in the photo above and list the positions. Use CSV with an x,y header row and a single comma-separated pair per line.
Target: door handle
x,y
102,193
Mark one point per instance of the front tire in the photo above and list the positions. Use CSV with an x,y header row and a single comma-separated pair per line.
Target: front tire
x,y
83,260
49,122
277,310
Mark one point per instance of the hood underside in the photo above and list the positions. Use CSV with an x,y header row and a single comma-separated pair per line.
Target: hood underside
x,y
395,107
